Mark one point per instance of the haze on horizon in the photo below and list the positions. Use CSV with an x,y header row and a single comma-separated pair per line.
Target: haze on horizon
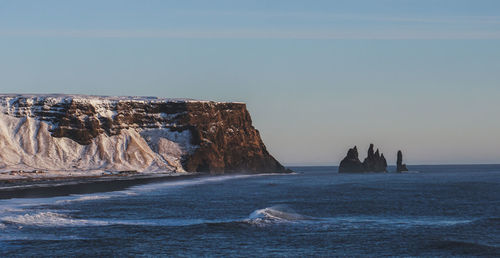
x,y
318,77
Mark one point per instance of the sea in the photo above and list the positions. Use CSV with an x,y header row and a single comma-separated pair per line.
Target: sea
x,y
432,211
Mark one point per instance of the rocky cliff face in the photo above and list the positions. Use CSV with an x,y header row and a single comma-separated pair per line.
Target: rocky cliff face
x,y
91,132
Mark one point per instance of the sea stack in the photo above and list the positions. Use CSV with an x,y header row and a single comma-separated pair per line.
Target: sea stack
x,y
374,162
400,167
351,163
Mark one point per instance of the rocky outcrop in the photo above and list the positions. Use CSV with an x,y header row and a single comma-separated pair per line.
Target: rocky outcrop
x,y
374,162
227,140
203,136
351,162
400,167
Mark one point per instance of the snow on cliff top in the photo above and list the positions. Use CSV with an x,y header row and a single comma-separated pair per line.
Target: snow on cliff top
x,y
96,99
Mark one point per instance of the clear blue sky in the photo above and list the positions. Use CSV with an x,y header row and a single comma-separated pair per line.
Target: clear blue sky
x,y
318,76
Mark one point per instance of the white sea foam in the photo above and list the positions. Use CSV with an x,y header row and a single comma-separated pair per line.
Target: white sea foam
x,y
20,204
25,211
190,182
142,189
50,219
86,198
56,219
275,214
43,237
281,214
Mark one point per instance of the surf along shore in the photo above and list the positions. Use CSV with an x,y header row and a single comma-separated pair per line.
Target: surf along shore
x,y
62,186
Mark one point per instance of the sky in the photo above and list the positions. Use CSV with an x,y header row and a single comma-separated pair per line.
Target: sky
x,y
318,76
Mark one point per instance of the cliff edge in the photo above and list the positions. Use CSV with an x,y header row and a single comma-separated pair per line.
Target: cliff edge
x,y
78,132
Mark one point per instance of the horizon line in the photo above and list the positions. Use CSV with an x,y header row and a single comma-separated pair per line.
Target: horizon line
x,y
437,164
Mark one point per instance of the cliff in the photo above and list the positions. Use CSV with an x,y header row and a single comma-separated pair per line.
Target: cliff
x,y
76,132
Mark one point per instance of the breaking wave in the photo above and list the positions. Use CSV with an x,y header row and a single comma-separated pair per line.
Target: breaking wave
x,y
270,215
50,219
19,211
276,214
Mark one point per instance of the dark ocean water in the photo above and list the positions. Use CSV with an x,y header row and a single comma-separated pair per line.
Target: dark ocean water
x,y
440,211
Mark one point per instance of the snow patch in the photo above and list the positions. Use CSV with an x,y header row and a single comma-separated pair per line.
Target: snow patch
x,y
52,99
26,143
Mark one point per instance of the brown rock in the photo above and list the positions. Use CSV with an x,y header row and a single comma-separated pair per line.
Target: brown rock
x,y
226,139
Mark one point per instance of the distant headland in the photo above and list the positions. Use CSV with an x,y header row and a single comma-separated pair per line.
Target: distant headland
x,y
99,134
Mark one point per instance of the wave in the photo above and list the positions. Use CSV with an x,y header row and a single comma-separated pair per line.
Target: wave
x,y
86,198
400,222
195,181
269,215
279,214
138,189
50,219
39,237
276,214
282,213
19,211
54,219
22,203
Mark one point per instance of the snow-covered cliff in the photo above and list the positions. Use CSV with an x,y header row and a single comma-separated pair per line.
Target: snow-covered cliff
x,y
76,132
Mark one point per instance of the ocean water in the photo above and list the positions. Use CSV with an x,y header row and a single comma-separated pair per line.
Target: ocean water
x,y
437,211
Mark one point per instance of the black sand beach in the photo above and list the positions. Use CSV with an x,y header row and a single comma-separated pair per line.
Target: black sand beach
x,y
43,188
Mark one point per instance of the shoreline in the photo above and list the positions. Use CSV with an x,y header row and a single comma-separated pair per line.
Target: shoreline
x,y
63,186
